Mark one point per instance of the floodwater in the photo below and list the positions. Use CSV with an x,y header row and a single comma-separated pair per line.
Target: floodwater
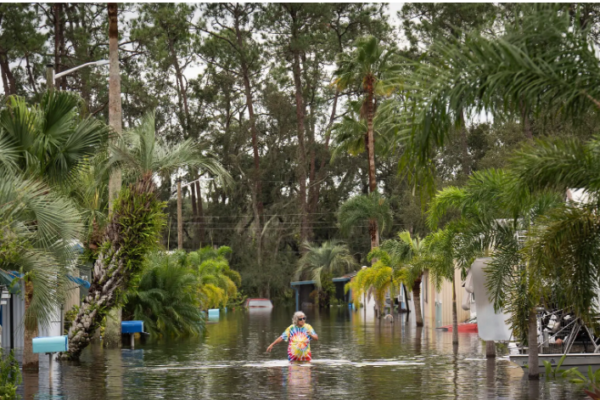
x,y
355,357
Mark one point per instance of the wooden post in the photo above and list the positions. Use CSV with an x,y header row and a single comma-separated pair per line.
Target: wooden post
x,y
50,365
132,340
490,349
179,217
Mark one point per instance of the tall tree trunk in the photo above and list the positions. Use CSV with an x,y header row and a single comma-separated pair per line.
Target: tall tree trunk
x,y
466,164
181,90
525,121
30,359
374,235
302,175
257,203
200,219
454,311
195,213
369,88
8,79
417,301
118,260
59,43
322,170
371,150
112,334
534,368
179,216
114,95
30,74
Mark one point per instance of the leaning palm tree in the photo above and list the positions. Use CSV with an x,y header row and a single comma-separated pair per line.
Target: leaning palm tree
x,y
372,210
367,68
133,231
329,258
135,222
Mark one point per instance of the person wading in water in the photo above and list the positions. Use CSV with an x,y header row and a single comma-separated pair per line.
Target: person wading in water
x,y
298,335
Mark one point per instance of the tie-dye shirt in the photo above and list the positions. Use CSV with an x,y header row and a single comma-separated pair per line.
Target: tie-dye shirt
x,y
299,342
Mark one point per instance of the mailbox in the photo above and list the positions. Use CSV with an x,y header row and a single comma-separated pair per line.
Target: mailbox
x,y
213,313
132,326
50,344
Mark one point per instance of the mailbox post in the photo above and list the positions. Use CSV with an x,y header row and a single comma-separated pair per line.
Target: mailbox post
x,y
50,345
131,328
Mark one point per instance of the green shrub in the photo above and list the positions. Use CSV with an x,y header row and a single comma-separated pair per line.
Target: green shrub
x,y
10,376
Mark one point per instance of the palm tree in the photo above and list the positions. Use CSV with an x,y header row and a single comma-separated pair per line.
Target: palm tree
x,y
367,67
142,156
496,211
166,298
133,231
545,63
46,142
371,209
350,134
377,280
406,253
329,258
35,234
219,283
140,151
441,259
565,241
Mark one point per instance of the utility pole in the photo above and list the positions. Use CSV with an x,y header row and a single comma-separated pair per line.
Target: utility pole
x,y
50,77
114,97
112,334
179,216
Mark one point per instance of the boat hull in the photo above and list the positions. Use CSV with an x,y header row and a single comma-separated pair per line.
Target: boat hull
x,y
572,360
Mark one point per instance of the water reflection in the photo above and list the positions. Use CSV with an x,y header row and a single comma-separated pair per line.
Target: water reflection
x,y
298,381
352,358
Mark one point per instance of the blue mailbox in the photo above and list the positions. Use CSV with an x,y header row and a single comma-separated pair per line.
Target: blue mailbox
x,y
132,326
50,344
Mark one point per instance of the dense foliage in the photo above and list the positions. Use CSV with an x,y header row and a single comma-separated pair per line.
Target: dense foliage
x,y
166,298
312,123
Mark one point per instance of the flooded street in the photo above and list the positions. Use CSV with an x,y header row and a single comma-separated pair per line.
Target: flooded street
x,y
353,358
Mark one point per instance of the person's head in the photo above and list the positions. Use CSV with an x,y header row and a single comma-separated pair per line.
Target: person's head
x,y
299,319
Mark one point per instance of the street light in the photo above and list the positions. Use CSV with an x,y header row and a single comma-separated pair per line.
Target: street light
x,y
51,76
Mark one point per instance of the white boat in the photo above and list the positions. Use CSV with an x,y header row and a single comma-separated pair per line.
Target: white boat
x,y
571,360
259,303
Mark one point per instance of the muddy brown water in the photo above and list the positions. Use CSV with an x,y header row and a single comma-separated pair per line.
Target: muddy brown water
x,y
355,357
